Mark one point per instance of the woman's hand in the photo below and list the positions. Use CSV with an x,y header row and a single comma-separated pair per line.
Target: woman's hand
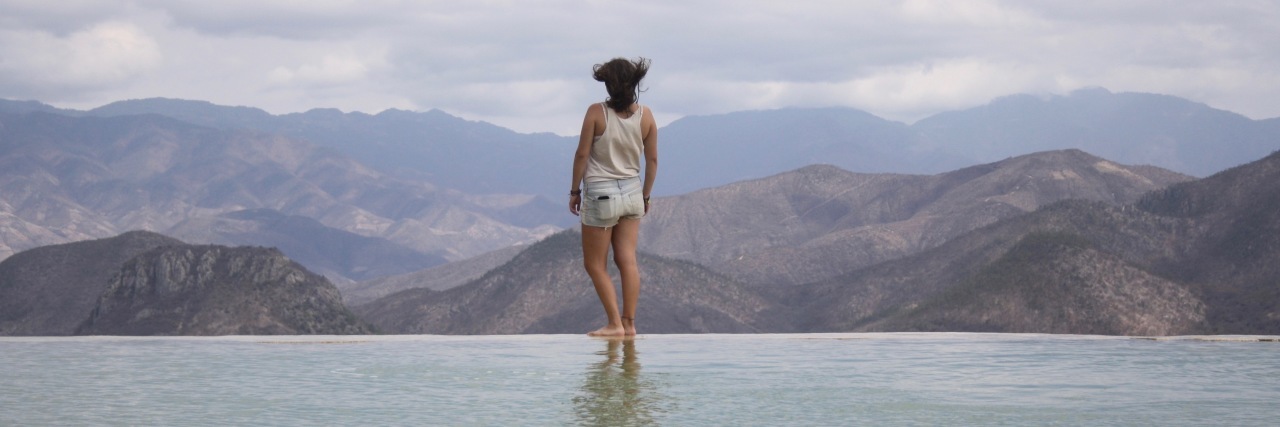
x,y
575,203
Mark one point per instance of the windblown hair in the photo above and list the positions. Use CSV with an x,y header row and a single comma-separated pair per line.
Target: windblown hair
x,y
621,78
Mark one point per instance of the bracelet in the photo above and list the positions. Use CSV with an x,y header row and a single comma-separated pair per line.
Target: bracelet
x,y
646,200
575,192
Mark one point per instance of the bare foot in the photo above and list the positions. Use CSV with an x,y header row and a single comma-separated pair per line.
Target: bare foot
x,y
608,331
629,325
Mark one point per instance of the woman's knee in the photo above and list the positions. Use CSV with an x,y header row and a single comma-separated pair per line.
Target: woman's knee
x,y
624,261
595,266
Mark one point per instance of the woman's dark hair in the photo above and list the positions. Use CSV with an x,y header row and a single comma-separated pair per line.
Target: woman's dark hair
x,y
621,77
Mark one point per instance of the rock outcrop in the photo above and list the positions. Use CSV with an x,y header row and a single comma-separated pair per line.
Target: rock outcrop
x,y
218,290
49,290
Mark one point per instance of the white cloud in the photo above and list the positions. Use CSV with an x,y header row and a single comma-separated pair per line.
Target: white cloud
x,y
526,65
330,70
105,54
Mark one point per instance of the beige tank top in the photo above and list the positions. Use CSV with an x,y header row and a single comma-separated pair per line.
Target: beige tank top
x,y
616,153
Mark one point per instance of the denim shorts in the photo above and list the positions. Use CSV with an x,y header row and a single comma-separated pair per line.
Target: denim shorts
x,y
605,202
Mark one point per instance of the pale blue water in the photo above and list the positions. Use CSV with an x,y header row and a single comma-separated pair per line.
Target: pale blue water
x,y
844,379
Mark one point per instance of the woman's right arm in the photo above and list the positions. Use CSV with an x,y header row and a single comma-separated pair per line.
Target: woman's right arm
x,y
580,158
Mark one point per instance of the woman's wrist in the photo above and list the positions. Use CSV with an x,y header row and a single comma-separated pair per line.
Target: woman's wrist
x,y
575,192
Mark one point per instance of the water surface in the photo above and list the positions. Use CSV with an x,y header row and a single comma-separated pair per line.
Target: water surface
x,y
823,379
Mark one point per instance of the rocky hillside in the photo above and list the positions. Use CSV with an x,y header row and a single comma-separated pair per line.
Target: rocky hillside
x,y
1198,257
218,290
545,290
821,221
51,289
1058,283
1231,255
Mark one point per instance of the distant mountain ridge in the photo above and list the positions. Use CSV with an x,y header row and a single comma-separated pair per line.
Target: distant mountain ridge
x,y
77,178
1128,128
706,151
443,186
1137,128
434,146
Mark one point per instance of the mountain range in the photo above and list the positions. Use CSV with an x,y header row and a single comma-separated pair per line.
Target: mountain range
x,y
453,188
820,221
707,151
1196,257
75,178
811,219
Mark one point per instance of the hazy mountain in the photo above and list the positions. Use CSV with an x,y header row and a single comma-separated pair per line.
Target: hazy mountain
x,y
1131,128
1137,128
9,106
218,290
67,178
475,157
51,289
821,221
706,151
1198,257
339,255
437,278
545,290
442,185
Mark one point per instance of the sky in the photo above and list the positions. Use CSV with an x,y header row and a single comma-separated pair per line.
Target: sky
x,y
526,65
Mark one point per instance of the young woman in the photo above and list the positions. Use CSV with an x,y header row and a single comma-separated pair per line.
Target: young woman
x,y
607,191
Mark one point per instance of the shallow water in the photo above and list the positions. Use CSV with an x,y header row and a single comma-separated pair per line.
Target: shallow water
x,y
837,379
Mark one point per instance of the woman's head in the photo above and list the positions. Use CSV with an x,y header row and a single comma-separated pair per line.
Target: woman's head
x,y
621,78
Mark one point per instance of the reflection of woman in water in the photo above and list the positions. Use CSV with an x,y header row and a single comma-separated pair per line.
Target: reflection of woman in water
x,y
616,135
615,394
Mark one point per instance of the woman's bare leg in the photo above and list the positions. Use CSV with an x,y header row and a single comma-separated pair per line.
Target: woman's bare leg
x,y
625,237
595,258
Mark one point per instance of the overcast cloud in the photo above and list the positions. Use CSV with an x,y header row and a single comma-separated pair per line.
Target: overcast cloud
x,y
526,65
